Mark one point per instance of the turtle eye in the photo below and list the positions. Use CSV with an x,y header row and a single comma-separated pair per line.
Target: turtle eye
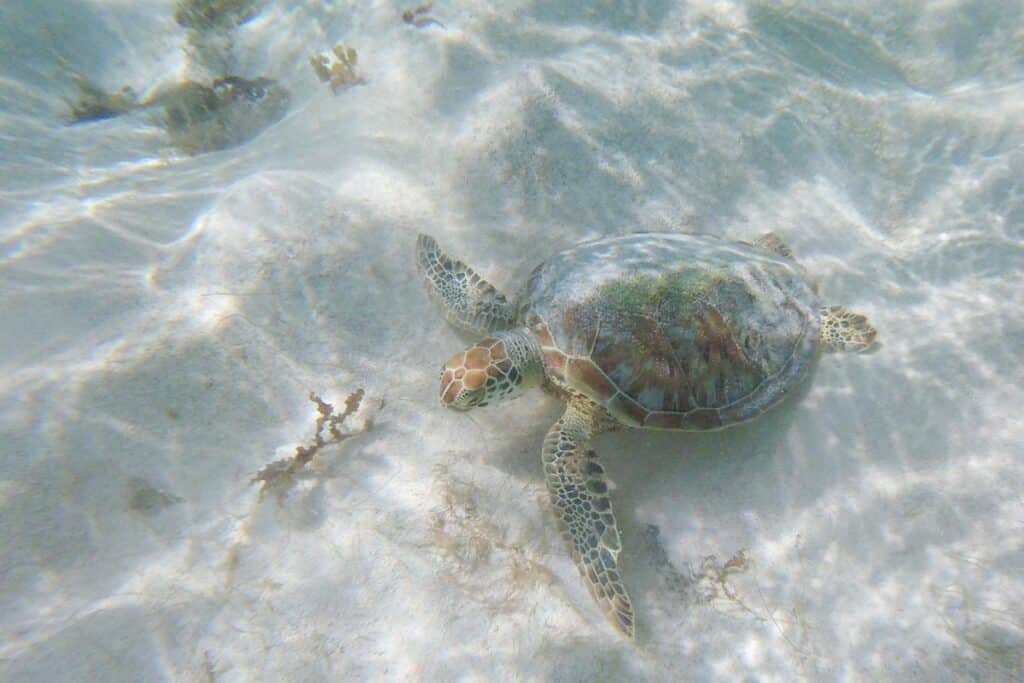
x,y
256,92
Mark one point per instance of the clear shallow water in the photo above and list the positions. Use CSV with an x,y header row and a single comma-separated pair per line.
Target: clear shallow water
x,y
165,316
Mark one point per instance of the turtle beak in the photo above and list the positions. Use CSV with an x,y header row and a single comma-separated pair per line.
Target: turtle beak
x,y
452,391
462,384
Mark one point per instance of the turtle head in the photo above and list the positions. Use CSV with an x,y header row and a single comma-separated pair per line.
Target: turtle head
x,y
494,369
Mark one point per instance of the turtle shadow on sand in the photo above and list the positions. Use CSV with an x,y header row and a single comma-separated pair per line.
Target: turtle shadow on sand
x,y
670,484
671,481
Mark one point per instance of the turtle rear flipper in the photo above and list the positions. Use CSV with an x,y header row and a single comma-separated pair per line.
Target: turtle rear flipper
x,y
470,303
843,330
579,491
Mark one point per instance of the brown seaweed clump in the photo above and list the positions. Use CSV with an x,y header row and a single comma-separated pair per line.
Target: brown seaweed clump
x,y
197,117
95,104
278,477
338,69
229,112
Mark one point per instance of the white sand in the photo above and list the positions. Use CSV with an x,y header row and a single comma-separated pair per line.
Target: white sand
x,y
164,317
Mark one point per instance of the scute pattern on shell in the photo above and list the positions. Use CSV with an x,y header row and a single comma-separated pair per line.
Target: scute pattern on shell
x,y
674,331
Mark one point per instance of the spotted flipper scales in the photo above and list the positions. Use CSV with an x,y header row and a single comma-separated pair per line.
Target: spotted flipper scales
x,y
579,492
843,330
470,303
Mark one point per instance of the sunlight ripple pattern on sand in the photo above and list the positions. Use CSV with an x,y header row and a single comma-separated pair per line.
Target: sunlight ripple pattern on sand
x,y
165,317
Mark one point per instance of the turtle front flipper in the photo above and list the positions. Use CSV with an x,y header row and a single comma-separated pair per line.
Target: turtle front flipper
x,y
579,491
843,330
470,303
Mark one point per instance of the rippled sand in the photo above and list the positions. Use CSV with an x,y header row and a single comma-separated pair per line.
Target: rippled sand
x,y
164,318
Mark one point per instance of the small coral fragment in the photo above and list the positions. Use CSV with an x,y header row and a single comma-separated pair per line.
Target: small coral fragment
x,y
338,69
279,476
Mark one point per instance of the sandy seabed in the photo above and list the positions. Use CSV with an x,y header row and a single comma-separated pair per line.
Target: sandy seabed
x,y
164,318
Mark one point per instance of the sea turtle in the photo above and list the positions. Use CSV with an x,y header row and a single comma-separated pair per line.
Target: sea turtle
x,y
651,331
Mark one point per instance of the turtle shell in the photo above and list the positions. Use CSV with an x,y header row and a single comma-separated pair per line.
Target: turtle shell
x,y
673,331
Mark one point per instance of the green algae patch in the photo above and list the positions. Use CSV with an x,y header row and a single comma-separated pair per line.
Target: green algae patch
x,y
630,295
